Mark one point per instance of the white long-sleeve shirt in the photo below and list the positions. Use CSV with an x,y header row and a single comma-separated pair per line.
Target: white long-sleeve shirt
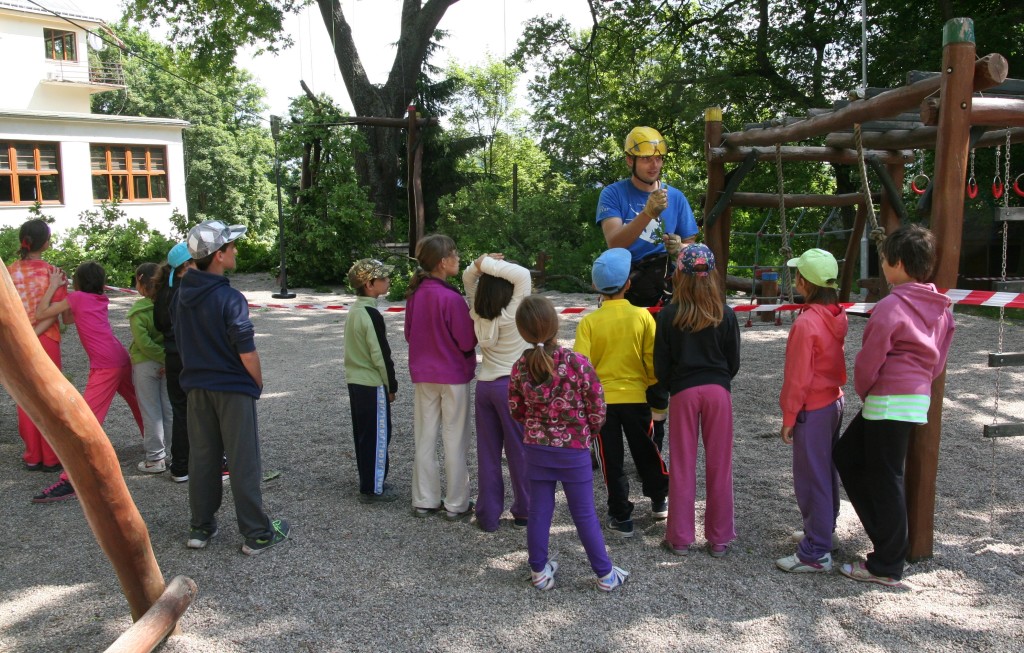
x,y
500,342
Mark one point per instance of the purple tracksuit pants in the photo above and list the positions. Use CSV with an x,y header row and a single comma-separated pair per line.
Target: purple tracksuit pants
x,y
496,430
545,467
815,478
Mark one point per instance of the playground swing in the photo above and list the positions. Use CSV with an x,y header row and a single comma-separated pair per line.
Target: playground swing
x,y
920,181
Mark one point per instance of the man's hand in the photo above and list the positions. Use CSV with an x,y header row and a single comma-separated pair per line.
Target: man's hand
x,y
673,244
657,201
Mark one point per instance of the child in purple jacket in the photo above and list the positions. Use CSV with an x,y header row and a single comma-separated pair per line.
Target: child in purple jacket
x,y
903,350
442,360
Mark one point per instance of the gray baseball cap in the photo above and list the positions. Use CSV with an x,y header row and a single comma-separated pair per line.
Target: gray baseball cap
x,y
207,237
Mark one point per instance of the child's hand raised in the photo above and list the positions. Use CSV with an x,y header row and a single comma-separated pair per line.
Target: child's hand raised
x,y
58,278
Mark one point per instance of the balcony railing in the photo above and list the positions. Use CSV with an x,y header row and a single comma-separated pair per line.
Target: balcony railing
x,y
108,73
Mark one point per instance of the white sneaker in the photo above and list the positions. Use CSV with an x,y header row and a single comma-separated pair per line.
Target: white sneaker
x,y
794,564
617,576
545,578
798,536
153,466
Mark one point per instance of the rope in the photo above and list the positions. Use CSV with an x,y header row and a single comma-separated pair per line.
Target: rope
x,y
877,233
785,250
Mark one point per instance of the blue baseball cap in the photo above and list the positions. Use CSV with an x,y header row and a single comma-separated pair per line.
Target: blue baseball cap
x,y
176,258
611,270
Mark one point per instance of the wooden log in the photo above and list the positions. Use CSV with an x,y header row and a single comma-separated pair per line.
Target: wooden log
x,y
988,71
951,153
808,153
852,254
920,138
717,234
1006,87
375,121
735,179
160,620
414,162
994,111
89,459
771,200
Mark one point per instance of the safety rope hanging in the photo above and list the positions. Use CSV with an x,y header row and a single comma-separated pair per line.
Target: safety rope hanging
x,y
785,250
877,233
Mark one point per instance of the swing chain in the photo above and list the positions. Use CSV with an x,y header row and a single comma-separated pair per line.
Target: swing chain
x,y
1006,196
785,249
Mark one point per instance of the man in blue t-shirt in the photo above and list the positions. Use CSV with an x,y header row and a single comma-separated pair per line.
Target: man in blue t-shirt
x,y
644,215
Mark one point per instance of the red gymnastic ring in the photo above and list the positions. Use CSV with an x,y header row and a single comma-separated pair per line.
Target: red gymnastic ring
x,y
920,189
1016,185
997,187
972,188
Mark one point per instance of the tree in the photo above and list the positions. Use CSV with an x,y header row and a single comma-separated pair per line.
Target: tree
x,y
484,102
228,153
215,29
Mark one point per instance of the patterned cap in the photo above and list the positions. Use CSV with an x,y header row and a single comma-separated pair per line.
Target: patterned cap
x,y
366,270
207,237
696,259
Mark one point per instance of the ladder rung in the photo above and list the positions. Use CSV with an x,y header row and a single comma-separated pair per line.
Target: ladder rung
x,y
1005,360
1004,430
1014,213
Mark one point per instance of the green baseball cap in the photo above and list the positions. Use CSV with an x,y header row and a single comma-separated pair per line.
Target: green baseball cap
x,y
818,267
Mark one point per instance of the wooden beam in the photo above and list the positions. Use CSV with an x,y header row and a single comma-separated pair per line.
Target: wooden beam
x,y
808,153
771,200
997,112
1006,87
716,235
951,150
893,193
1003,430
160,620
988,71
852,254
735,179
920,138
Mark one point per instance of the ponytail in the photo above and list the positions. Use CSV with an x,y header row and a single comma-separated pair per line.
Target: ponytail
x,y
33,237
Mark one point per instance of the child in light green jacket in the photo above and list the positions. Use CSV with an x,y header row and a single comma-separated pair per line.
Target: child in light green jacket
x,y
147,354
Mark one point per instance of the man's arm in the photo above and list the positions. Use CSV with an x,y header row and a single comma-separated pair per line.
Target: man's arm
x,y
251,361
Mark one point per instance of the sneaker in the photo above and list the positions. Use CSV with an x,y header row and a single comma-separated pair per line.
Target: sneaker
x,y
718,550
37,467
544,579
179,479
198,538
53,468
425,512
858,571
614,578
59,491
279,534
386,496
798,536
659,509
622,528
519,522
674,550
456,516
794,564
153,466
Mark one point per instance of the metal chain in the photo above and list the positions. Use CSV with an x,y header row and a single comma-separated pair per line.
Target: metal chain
x,y
785,250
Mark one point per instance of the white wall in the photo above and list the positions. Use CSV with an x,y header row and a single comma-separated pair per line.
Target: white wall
x,y
75,134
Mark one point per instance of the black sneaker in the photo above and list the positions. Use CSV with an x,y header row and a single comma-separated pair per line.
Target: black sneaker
x,y
53,468
198,538
59,491
622,528
280,531
659,509
35,467
520,522
387,496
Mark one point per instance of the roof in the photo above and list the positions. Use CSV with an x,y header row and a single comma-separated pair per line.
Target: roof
x,y
66,8
91,117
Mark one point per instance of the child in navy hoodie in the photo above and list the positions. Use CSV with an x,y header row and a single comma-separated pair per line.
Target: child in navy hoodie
x,y
903,350
222,375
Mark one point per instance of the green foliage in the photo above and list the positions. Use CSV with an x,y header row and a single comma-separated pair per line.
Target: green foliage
x,y
331,224
107,236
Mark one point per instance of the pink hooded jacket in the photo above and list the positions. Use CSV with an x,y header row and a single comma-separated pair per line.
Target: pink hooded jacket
x,y
815,368
905,342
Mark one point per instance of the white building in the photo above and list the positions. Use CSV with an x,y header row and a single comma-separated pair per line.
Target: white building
x,y
53,149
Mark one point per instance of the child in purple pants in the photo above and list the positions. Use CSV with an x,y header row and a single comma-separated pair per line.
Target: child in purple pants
x,y
812,407
495,288
555,393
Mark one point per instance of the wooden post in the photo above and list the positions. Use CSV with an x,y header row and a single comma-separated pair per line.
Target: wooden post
x,y
160,620
70,427
717,237
852,253
414,158
951,155
888,216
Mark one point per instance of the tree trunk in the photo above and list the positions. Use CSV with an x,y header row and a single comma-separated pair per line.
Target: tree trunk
x,y
378,167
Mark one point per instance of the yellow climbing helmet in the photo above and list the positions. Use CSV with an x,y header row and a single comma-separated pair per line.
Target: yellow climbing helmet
x,y
645,141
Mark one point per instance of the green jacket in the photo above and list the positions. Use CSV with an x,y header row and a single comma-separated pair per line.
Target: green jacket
x,y
367,352
147,342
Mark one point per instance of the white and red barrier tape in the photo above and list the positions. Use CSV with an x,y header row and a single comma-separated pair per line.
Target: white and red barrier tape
x,y
964,297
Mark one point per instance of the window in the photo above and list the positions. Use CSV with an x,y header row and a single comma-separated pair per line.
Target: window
x,y
129,173
29,173
60,44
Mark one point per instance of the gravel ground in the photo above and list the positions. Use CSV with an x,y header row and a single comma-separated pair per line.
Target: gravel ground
x,y
373,578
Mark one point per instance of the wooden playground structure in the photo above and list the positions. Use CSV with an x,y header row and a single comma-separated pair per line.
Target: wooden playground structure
x,y
89,458
953,119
